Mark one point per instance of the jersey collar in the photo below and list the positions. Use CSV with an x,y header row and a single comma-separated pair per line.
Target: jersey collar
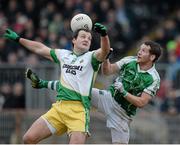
x,y
77,55
143,71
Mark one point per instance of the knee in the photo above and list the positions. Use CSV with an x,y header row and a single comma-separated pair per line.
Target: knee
x,y
29,139
76,141
77,138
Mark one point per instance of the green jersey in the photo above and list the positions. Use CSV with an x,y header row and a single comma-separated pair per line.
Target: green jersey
x,y
135,81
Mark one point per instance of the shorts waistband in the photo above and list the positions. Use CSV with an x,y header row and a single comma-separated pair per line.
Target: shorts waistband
x,y
69,101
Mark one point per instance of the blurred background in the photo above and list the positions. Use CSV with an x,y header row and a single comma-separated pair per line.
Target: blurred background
x,y
129,23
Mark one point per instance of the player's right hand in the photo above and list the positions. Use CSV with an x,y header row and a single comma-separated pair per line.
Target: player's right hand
x,y
118,85
100,29
11,35
35,81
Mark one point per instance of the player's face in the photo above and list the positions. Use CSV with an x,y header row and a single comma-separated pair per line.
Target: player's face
x,y
143,55
82,42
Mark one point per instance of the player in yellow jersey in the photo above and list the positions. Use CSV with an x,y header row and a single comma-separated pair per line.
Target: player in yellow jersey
x,y
71,111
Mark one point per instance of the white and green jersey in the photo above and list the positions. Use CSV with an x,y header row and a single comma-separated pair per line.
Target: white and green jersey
x,y
135,81
77,75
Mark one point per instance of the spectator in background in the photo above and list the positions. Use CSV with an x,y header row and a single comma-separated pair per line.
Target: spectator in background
x,y
170,29
170,109
32,60
6,92
136,18
174,59
87,7
3,50
31,9
69,8
29,29
11,10
56,25
122,17
102,9
2,100
17,99
171,104
12,58
117,38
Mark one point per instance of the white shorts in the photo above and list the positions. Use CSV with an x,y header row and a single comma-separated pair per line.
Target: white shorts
x,y
117,120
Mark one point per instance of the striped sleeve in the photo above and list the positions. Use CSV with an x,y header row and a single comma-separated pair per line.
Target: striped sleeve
x,y
53,85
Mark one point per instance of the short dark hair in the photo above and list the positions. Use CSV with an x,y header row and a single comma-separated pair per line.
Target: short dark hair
x,y
155,49
75,34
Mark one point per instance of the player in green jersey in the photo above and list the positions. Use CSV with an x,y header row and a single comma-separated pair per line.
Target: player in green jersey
x,y
71,111
136,85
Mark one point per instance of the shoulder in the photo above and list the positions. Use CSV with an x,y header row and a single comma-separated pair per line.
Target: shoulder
x,y
126,60
130,58
89,54
62,51
155,75
57,54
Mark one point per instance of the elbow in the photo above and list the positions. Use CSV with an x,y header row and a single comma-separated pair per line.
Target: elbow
x,y
138,101
142,102
105,72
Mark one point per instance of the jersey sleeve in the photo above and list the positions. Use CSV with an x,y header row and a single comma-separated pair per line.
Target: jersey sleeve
x,y
95,63
125,60
153,88
57,54
54,56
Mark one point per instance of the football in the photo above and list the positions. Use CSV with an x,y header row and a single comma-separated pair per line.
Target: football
x,y
80,21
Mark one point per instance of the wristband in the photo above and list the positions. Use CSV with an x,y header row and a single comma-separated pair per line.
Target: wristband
x,y
43,83
125,93
17,39
103,34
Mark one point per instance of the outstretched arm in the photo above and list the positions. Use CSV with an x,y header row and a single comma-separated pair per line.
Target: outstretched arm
x,y
33,46
38,83
102,52
36,47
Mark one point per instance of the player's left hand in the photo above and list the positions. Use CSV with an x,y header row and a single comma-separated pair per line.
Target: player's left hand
x,y
119,87
101,29
35,81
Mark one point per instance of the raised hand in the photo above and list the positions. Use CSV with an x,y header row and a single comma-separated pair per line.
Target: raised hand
x,y
101,29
